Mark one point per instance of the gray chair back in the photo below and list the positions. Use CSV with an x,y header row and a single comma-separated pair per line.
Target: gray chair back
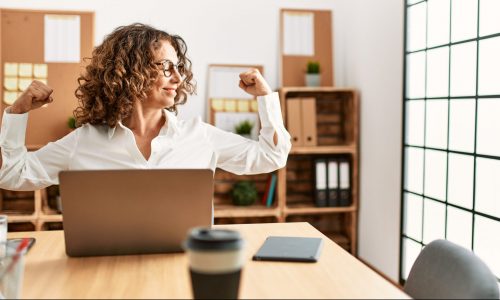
x,y
445,270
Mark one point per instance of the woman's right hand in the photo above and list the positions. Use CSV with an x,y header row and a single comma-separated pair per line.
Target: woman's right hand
x,y
34,96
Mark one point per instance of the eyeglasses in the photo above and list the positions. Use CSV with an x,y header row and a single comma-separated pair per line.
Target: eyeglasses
x,y
168,68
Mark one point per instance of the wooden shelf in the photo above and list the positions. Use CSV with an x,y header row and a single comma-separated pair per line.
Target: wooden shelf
x,y
288,89
230,211
312,210
19,218
341,149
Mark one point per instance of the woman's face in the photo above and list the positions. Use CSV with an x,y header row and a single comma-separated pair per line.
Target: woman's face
x,y
164,89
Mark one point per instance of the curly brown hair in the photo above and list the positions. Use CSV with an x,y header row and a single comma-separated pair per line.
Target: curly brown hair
x,y
122,70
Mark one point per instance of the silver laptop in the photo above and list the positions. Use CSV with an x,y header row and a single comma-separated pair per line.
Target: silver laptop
x,y
118,212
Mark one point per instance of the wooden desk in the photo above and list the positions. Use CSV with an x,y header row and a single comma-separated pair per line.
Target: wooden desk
x,y
50,273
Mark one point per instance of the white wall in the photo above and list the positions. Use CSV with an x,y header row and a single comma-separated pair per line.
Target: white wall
x,y
374,64
368,56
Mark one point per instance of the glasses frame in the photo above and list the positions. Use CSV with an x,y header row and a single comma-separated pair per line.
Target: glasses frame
x,y
168,67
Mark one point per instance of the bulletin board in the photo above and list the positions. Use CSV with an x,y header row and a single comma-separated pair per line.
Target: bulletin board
x,y
27,53
305,35
228,104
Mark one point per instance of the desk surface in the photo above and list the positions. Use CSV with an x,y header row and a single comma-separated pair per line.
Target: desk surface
x,y
50,273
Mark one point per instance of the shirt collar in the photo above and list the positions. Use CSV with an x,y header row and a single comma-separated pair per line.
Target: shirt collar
x,y
170,125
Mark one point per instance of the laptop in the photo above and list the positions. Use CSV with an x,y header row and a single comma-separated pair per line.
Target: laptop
x,y
120,212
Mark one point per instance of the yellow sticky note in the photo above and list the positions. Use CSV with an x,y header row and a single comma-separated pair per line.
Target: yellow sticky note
x,y
25,70
24,83
230,105
254,106
40,70
10,84
10,69
218,104
243,105
9,97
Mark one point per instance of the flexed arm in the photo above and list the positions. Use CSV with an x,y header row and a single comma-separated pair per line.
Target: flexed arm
x,y
23,170
36,95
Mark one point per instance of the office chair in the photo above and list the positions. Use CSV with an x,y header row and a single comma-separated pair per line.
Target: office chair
x,y
445,270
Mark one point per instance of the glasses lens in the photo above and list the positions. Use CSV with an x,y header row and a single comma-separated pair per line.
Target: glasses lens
x,y
168,68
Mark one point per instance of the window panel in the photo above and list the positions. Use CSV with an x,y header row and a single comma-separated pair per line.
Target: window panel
x,y
416,27
462,125
411,250
414,170
460,179
489,66
487,183
438,31
463,20
451,181
437,72
488,127
436,129
459,227
489,22
434,216
415,110
435,174
463,69
487,242
415,76
413,216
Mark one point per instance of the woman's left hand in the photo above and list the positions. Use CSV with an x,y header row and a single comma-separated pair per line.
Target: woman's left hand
x,y
254,84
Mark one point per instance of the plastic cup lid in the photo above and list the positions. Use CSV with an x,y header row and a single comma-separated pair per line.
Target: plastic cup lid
x,y
207,239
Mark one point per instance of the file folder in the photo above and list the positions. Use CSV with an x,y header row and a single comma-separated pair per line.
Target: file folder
x,y
309,136
345,182
333,183
294,120
321,182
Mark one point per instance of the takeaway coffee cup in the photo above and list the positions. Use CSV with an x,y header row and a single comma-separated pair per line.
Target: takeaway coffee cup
x,y
215,262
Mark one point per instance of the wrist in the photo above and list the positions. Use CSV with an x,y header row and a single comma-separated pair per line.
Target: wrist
x,y
14,109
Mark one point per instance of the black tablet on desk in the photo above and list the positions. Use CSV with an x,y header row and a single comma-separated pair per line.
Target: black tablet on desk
x,y
287,248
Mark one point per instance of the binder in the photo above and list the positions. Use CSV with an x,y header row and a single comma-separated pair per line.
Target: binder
x,y
270,196
266,190
345,182
333,183
321,182
309,136
294,120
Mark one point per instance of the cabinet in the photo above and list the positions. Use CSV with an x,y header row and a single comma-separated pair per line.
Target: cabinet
x,y
336,127
336,124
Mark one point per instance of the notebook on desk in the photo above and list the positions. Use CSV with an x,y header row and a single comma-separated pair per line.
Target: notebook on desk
x,y
118,212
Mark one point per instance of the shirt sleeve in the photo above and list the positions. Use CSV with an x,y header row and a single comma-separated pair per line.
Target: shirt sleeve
x,y
239,155
25,171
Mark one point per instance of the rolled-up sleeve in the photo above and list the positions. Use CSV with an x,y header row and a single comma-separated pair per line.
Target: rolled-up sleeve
x,y
23,170
239,155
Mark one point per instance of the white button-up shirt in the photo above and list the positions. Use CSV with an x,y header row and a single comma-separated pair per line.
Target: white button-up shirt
x,y
180,144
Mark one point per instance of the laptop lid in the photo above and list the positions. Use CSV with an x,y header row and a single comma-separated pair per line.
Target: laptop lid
x,y
117,212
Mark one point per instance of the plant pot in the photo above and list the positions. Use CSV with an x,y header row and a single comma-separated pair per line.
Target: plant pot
x,y
313,79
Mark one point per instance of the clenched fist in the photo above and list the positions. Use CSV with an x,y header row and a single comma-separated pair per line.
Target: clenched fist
x,y
253,83
35,95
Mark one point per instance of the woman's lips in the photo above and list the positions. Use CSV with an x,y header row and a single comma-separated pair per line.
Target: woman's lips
x,y
170,91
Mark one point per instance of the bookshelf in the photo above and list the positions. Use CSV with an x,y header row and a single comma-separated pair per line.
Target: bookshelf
x,y
337,122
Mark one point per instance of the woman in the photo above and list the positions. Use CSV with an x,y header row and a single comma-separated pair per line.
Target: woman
x,y
128,100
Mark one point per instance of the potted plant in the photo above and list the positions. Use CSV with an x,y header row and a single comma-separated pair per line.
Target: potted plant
x,y
244,128
244,193
313,74
71,123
